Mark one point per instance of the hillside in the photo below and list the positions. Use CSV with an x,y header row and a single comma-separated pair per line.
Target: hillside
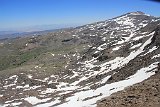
x,y
112,63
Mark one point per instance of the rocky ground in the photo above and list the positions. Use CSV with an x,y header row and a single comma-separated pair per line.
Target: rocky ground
x,y
144,94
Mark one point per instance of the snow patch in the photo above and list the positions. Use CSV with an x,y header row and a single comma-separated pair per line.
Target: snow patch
x,y
35,100
156,56
108,89
135,46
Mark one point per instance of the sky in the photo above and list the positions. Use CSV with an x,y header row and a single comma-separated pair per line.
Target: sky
x,y
18,14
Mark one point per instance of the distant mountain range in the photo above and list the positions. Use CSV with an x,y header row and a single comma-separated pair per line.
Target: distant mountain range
x,y
38,29
13,34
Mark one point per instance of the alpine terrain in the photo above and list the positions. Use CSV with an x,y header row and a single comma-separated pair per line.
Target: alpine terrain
x,y
112,63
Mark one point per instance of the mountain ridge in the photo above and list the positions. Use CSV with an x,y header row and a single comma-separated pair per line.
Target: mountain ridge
x,y
80,66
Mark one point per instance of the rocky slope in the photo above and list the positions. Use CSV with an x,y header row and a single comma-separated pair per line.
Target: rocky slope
x,y
145,94
77,67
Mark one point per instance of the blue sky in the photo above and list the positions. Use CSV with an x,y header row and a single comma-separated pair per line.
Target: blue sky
x,y
22,13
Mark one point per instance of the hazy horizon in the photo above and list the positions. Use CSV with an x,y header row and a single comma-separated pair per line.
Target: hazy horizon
x,y
42,27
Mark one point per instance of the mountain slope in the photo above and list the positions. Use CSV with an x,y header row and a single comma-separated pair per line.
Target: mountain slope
x,y
78,67
145,94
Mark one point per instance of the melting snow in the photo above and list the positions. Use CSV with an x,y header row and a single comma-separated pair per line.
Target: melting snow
x,y
156,56
150,50
125,20
135,46
12,77
52,54
102,47
30,76
116,48
48,104
137,38
77,99
35,100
